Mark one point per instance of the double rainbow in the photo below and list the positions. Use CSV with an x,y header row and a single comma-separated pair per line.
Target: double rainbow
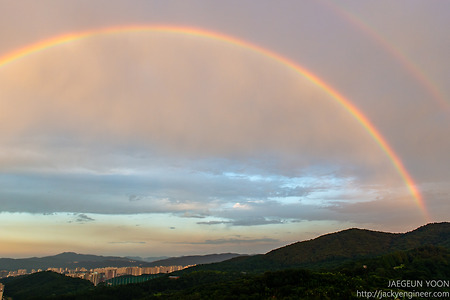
x,y
345,103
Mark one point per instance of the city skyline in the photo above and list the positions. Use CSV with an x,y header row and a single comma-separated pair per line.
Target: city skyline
x,y
97,275
178,128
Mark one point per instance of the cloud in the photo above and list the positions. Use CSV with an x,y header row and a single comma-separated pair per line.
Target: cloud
x,y
176,103
127,242
183,128
233,241
197,129
134,198
185,191
213,222
251,221
82,219
192,215
263,199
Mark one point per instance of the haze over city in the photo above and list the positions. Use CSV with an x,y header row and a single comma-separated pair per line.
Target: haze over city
x,y
168,128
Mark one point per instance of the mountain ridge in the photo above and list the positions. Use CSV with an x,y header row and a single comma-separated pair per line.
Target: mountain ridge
x,y
198,259
326,250
370,275
334,249
74,260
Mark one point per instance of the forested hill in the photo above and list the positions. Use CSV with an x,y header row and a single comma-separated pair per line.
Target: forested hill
x,y
42,284
339,264
371,275
355,243
325,251
334,249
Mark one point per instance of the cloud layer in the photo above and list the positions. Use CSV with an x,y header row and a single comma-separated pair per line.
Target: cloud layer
x,y
174,135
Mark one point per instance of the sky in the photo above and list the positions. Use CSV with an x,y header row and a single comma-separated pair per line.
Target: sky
x,y
219,126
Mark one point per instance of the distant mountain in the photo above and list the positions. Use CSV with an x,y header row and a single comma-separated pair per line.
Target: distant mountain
x,y
194,259
327,251
148,259
370,275
69,260
73,260
334,249
339,264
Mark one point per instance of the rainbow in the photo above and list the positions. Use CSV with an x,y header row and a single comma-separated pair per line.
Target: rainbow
x,y
345,103
412,69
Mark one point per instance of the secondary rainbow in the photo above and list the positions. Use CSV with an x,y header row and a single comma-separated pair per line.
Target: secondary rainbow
x,y
345,103
413,70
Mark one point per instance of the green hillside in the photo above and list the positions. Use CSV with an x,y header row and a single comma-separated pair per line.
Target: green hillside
x,y
370,275
334,249
333,266
43,284
431,234
423,263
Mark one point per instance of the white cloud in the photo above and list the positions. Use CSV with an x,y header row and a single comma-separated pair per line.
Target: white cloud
x,y
188,127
